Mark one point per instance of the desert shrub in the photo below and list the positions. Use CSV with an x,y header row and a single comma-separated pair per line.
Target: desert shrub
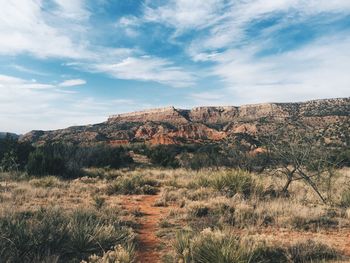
x,y
345,198
210,246
231,183
18,152
135,184
268,254
340,157
182,245
199,210
98,201
119,254
163,155
314,223
55,159
68,160
216,246
311,251
46,182
205,156
201,215
35,236
9,162
104,156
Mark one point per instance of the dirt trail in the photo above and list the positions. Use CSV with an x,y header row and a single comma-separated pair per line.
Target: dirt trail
x,y
149,225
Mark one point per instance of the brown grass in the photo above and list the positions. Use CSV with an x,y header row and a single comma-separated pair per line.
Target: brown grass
x,y
184,203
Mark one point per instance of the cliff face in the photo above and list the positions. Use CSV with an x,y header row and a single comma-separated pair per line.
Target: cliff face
x,y
329,119
168,114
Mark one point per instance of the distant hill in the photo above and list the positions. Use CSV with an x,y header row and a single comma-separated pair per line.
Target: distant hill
x,y
327,119
12,135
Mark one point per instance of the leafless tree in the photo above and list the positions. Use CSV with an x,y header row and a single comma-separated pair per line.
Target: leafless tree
x,y
299,157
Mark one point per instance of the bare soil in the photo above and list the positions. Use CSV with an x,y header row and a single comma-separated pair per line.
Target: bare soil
x,y
148,251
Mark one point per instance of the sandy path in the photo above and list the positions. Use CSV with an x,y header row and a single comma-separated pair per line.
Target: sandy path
x,y
149,225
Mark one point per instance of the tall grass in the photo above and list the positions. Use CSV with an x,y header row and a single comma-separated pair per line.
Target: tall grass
x,y
230,182
135,184
345,198
223,247
69,237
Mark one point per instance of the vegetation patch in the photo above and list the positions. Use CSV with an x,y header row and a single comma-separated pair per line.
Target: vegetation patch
x,y
231,183
68,237
135,184
218,246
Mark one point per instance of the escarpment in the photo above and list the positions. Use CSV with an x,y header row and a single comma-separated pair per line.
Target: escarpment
x,y
329,119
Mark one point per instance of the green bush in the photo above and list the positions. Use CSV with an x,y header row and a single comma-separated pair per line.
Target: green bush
x,y
136,184
18,151
163,155
345,198
104,156
231,183
70,237
68,160
56,159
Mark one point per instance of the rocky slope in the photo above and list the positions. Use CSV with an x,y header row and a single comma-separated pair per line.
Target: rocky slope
x,y
328,119
8,134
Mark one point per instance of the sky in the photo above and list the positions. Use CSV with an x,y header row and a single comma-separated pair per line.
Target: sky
x,y
75,62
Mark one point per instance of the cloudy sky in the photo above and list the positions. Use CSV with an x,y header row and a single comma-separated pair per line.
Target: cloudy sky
x,y
65,62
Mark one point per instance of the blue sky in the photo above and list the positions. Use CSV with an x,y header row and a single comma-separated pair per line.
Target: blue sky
x,y
65,62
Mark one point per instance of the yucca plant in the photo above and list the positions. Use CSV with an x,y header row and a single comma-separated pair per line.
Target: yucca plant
x,y
50,235
234,182
182,245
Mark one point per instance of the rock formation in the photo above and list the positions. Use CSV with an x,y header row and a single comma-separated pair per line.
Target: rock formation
x,y
329,119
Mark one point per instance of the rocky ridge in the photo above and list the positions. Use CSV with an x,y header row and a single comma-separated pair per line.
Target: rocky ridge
x,y
329,119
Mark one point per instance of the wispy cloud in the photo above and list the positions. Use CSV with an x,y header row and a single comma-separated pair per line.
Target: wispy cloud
x,y
26,105
26,28
28,70
147,68
72,83
317,70
227,40
248,50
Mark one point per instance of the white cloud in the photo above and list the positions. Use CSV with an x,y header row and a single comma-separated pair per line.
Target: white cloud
x,y
225,21
27,105
26,28
318,70
147,68
28,70
72,82
75,10
184,14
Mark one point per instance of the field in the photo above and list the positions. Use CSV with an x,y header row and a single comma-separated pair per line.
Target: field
x,y
172,215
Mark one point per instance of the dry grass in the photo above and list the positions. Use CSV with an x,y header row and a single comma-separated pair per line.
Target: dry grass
x,y
196,201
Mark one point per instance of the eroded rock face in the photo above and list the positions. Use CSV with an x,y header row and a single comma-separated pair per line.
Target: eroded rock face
x,y
329,119
213,114
256,111
168,114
